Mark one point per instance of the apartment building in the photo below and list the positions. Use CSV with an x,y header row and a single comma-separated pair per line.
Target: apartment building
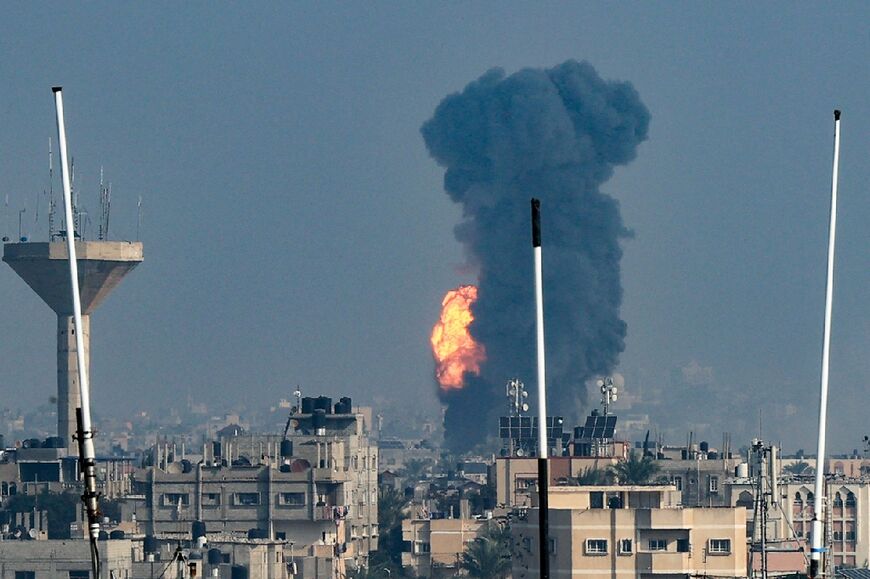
x,y
434,547
631,531
316,488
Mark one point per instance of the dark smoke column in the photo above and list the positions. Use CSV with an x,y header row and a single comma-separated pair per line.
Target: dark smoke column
x,y
555,134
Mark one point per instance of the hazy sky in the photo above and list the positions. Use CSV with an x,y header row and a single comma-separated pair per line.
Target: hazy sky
x,y
296,231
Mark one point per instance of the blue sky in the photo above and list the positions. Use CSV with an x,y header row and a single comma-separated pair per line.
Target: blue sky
x,y
296,231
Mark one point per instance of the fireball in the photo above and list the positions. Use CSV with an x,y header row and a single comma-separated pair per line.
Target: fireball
x,y
454,349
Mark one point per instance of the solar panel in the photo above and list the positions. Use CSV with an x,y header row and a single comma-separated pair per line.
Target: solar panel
x,y
590,422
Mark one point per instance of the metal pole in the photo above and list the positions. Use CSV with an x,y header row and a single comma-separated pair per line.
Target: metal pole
x,y
819,500
85,433
543,477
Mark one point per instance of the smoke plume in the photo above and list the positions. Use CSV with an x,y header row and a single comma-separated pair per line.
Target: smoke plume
x,y
555,134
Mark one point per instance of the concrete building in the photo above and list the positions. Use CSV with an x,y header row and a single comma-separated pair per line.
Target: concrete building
x,y
631,531
63,559
316,489
44,266
515,477
789,517
434,547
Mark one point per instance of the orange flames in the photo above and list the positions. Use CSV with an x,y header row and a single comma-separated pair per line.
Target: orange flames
x,y
454,349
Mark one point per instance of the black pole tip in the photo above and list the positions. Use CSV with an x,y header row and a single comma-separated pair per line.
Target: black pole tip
x,y
536,223
836,114
56,88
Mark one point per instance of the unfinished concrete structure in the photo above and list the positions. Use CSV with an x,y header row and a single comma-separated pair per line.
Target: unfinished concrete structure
x,y
45,267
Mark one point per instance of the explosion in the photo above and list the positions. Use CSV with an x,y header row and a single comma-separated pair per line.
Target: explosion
x,y
454,349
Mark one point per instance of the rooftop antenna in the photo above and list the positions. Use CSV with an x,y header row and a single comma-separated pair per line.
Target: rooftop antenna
x,y
543,477
105,207
51,205
138,216
819,502
608,393
6,215
83,414
21,237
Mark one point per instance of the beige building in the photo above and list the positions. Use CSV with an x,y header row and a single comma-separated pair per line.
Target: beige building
x,y
516,477
631,531
434,547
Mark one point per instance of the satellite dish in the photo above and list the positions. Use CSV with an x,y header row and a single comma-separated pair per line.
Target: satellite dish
x,y
525,394
32,533
520,452
525,407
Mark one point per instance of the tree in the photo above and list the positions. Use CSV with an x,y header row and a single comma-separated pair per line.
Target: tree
x,y
797,468
488,556
634,470
391,512
415,469
594,476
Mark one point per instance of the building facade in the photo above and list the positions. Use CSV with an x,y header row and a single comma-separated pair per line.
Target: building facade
x,y
631,531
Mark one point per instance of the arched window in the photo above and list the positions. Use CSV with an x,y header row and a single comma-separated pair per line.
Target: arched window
x,y
838,501
798,499
746,500
4,489
811,497
13,489
850,500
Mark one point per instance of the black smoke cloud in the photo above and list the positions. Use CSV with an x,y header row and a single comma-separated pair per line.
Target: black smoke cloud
x,y
555,134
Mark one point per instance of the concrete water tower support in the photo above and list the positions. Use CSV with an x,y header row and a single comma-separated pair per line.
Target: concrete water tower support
x,y
45,267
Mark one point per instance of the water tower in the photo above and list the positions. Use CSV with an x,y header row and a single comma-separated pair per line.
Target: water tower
x,y
44,266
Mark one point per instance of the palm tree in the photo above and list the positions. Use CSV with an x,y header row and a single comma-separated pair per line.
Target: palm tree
x,y
488,556
634,470
391,511
594,477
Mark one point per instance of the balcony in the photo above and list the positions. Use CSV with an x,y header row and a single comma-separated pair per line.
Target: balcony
x,y
663,562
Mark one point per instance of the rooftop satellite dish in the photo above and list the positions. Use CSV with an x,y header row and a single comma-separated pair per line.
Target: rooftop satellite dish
x,y
525,407
32,533
520,452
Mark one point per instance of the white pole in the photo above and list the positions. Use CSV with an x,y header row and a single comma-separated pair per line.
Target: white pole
x,y
539,327
543,450
86,434
819,501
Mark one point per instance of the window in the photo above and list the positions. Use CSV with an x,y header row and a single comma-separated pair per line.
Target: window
x,y
714,485
683,546
247,499
172,499
527,544
25,575
838,535
850,500
291,499
658,545
211,499
838,501
678,482
596,546
552,546
850,536
80,574
625,546
421,547
720,546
